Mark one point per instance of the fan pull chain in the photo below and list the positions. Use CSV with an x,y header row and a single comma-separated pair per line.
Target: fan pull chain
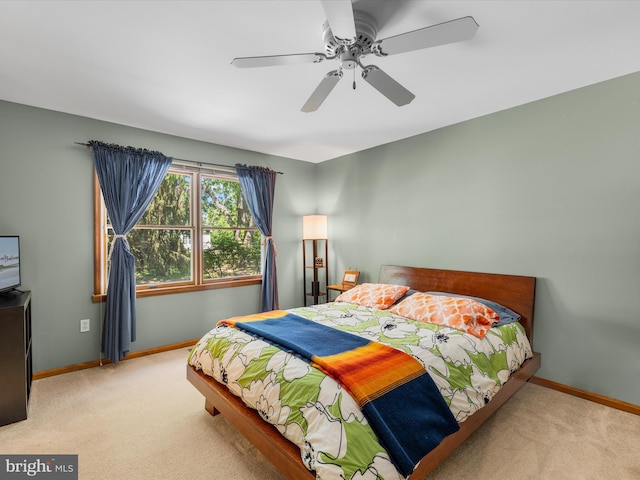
x,y
354,78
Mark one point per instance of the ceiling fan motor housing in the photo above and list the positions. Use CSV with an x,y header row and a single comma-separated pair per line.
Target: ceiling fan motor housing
x,y
366,32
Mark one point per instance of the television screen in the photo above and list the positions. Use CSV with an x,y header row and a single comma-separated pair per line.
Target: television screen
x,y
9,262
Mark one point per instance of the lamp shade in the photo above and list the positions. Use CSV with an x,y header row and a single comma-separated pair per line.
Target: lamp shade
x,y
314,227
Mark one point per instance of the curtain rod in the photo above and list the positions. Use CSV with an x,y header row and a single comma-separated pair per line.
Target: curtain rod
x,y
188,161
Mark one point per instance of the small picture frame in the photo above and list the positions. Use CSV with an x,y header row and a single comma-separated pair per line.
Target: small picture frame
x,y
319,262
350,278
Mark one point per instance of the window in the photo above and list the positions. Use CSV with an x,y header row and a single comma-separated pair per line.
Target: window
x,y
196,234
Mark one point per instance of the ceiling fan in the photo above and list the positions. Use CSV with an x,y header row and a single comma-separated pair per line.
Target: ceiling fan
x,y
349,35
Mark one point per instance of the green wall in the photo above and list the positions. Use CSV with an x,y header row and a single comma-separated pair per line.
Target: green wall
x,y
550,189
46,197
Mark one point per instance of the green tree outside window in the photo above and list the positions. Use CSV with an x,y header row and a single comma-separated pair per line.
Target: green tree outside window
x,y
172,244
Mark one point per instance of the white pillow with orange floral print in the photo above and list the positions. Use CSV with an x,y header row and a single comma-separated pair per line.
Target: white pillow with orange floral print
x,y
455,312
373,295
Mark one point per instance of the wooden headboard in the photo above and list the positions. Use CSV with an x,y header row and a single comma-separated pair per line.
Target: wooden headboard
x,y
513,291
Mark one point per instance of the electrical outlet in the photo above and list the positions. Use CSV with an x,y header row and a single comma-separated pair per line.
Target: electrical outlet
x,y
85,325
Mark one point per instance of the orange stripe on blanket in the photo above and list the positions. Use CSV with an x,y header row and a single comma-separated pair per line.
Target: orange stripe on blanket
x,y
371,370
254,317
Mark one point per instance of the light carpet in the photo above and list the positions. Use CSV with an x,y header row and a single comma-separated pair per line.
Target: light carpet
x,y
142,419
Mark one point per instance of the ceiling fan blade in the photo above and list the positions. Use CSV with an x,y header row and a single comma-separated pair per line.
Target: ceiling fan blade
x,y
322,91
273,60
340,17
448,32
387,86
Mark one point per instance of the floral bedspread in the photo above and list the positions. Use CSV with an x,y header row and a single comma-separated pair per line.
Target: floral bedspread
x,y
315,413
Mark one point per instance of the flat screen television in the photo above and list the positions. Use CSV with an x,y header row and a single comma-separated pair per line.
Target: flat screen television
x,y
9,262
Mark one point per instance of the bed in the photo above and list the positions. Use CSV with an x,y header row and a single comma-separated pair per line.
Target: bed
x,y
513,292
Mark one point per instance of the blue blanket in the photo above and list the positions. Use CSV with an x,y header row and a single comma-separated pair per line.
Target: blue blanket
x,y
396,394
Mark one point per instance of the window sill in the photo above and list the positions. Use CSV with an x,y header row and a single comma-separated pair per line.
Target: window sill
x,y
155,291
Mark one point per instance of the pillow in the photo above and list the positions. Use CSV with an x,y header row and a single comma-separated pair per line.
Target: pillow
x,y
506,315
461,313
407,294
374,295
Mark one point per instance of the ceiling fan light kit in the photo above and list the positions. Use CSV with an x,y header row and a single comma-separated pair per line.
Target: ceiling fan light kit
x,y
349,35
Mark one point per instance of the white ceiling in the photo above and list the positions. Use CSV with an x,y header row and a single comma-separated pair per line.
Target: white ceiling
x,y
165,66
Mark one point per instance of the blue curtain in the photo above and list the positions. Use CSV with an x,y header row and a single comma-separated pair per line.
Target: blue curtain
x,y
129,179
258,187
